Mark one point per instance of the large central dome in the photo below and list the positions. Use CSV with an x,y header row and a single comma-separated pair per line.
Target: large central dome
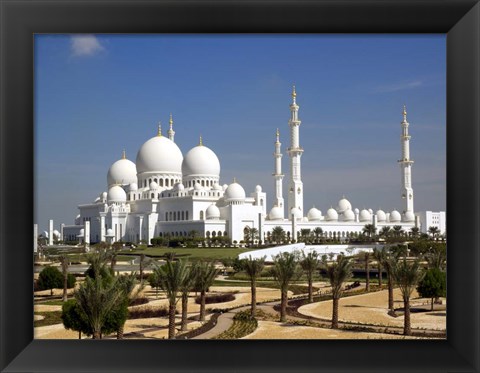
x,y
159,155
201,161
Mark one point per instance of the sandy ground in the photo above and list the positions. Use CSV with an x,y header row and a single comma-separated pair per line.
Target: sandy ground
x,y
276,330
372,309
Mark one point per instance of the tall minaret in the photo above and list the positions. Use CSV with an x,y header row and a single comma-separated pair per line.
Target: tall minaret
x,y
406,165
171,132
278,176
295,188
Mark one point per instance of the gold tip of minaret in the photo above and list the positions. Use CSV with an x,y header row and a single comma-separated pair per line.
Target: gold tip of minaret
x,y
124,155
171,120
404,109
159,129
294,93
200,143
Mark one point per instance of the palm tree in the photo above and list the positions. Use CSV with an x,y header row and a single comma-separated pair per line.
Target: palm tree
x,y
172,275
278,235
407,276
309,264
285,269
253,268
318,232
434,231
253,235
380,256
187,286
385,232
369,230
338,272
97,299
127,285
304,235
364,256
204,276
415,232
436,256
398,231
64,264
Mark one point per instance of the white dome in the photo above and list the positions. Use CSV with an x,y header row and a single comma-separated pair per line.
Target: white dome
x,y
365,216
77,219
409,216
179,186
201,161
97,200
159,155
258,189
82,232
348,216
314,214
103,196
56,233
297,214
276,213
395,216
343,205
217,186
197,186
45,234
116,194
332,215
133,187
153,185
356,211
381,216
122,172
212,212
370,211
235,192
225,186
109,232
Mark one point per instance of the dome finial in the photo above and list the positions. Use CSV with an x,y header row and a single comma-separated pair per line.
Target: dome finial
x,y
200,143
234,179
404,113
159,129
278,135
171,121
294,94
124,155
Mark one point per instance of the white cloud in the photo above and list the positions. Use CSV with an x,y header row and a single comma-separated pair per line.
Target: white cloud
x,y
85,45
399,86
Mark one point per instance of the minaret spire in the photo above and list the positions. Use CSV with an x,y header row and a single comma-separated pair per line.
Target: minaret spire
x,y
200,142
295,188
124,155
171,132
277,175
406,165
159,129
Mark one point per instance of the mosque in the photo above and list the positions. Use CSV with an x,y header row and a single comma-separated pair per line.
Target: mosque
x,y
167,193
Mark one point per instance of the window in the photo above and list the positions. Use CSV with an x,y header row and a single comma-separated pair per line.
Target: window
x,y
201,215
166,216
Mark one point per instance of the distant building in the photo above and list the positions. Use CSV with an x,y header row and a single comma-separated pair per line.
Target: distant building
x,y
432,219
167,194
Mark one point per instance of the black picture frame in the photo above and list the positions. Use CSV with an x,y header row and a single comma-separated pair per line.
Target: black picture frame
x,y
459,19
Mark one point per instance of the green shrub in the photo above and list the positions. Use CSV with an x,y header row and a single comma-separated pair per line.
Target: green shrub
x,y
216,298
50,278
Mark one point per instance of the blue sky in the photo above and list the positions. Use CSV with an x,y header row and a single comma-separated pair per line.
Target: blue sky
x,y
98,94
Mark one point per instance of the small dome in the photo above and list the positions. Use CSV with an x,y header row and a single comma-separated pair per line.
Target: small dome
x,y
122,172
97,200
258,189
217,186
356,211
314,214
395,216
103,196
159,155
109,232
365,216
201,161
133,187
116,194
179,186
348,216
45,234
381,216
235,192
56,234
82,232
343,205
370,211
332,215
77,219
197,186
225,186
276,213
297,213
409,216
212,212
153,185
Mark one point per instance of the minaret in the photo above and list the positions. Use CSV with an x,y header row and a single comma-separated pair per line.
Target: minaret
x,y
171,132
278,176
295,188
406,166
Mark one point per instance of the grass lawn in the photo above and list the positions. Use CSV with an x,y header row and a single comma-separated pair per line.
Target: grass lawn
x,y
51,318
208,253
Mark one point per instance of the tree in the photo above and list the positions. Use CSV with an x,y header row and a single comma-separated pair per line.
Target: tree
x,y
186,286
406,276
98,265
318,233
385,232
172,275
278,235
97,298
253,268
309,264
285,269
205,274
129,292
338,272
74,318
304,235
364,256
433,285
369,230
254,235
433,231
398,231
380,256
415,232
436,255
50,278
